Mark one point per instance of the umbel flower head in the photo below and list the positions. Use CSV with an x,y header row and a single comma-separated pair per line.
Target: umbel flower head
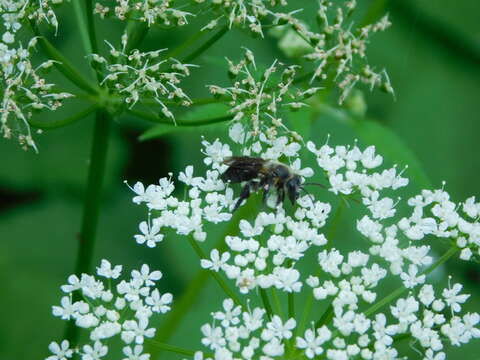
x,y
151,12
106,311
258,97
266,257
140,76
25,92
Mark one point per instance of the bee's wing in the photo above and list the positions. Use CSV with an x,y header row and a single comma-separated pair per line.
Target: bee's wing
x,y
242,168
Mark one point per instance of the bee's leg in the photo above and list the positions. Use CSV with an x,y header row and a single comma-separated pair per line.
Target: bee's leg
x,y
243,196
281,195
266,184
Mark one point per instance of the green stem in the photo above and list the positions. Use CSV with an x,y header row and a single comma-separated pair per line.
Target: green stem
x,y
191,294
395,294
62,64
91,208
63,122
159,120
186,44
207,45
326,317
136,31
171,348
291,305
276,302
195,102
220,281
92,35
332,231
266,302
82,25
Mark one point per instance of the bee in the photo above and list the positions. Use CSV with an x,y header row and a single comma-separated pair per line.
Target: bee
x,y
261,174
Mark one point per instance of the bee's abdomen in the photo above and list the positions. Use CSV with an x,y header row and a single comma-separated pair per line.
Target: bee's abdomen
x,y
242,168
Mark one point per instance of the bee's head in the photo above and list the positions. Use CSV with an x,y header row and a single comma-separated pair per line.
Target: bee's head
x,y
293,188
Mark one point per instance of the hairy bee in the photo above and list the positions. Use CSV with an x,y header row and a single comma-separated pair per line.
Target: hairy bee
x,y
261,174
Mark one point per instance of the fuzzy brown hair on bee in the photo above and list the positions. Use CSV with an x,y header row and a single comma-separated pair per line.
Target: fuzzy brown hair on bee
x,y
261,174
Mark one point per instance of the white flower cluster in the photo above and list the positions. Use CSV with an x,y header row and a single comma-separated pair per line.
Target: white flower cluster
x,y
24,92
435,214
249,14
149,11
124,310
268,249
339,48
245,334
15,13
137,76
259,97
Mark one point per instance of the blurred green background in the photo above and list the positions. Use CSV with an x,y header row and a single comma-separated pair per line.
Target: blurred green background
x,y
432,54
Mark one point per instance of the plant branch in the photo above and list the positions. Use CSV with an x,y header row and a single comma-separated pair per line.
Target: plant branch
x,y
395,294
220,281
91,208
186,44
136,31
206,45
159,120
82,25
192,292
171,348
63,122
266,302
62,64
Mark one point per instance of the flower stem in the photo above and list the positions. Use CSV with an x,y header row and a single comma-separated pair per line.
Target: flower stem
x,y
206,45
332,231
91,208
220,281
92,35
266,302
136,31
157,119
395,294
62,64
191,294
276,301
291,305
63,122
171,348
186,44
82,26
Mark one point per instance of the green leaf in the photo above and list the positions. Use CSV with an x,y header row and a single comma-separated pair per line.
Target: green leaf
x,y
391,146
202,118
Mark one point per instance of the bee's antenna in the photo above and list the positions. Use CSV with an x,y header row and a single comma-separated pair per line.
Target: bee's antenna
x,y
317,184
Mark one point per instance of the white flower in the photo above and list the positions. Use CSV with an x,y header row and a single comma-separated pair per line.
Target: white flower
x,y
453,299
150,235
312,342
410,279
60,351
216,261
95,352
159,303
145,276
136,331
107,271
231,314
276,329
135,353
